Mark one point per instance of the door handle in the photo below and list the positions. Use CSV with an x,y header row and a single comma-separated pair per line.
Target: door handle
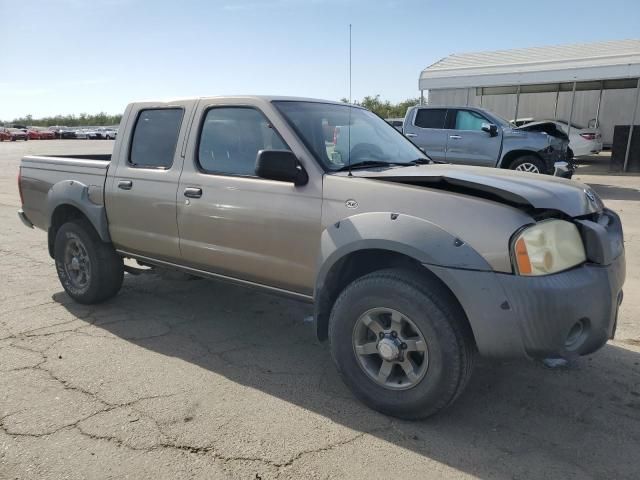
x,y
410,135
455,137
125,184
193,192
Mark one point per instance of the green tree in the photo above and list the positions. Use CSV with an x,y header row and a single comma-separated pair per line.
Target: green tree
x,y
385,108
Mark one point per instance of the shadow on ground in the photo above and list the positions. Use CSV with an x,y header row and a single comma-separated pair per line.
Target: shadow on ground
x,y
515,420
611,192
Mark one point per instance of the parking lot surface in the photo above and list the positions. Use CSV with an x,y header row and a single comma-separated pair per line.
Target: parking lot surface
x,y
183,378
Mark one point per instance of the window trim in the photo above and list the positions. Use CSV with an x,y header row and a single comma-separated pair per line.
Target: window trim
x,y
455,119
203,118
130,164
444,123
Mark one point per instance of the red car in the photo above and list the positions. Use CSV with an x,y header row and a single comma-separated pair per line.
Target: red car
x,y
4,134
39,133
32,134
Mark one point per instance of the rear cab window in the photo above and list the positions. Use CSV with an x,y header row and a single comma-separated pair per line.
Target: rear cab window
x,y
155,137
430,118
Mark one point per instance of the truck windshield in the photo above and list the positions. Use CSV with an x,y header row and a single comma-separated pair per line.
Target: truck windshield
x,y
341,134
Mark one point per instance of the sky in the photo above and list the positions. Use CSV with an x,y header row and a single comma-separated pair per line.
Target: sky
x,y
74,56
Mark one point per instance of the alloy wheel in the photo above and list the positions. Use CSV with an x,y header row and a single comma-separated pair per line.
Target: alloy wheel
x,y
527,167
77,264
390,348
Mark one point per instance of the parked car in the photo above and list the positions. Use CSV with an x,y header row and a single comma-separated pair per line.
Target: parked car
x,y
475,136
63,132
582,140
93,134
4,134
17,134
67,133
413,266
45,133
108,133
32,133
80,133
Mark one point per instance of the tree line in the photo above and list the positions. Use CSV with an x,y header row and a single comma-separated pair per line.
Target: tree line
x,y
385,108
83,119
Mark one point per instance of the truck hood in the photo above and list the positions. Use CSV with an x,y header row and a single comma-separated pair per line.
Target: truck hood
x,y
544,126
527,191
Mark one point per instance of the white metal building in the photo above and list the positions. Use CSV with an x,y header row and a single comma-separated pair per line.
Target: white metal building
x,y
595,83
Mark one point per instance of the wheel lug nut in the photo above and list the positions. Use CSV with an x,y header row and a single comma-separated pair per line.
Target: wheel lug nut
x,y
394,334
381,335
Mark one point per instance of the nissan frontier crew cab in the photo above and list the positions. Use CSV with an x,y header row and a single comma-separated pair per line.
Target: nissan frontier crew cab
x,y
414,267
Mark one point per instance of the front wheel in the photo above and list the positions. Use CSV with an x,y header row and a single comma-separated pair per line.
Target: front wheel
x,y
528,163
401,343
89,269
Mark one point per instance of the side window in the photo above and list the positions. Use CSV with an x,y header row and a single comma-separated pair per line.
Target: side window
x,y
231,138
430,117
155,137
468,120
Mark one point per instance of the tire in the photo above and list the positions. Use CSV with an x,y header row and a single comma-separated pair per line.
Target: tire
x,y
529,163
105,273
450,348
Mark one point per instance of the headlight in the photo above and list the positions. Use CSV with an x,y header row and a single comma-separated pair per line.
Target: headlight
x,y
547,247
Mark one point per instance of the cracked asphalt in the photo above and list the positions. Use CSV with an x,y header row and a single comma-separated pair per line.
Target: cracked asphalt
x,y
183,378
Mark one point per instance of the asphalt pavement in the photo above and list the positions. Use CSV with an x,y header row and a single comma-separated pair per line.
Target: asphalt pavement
x,y
183,378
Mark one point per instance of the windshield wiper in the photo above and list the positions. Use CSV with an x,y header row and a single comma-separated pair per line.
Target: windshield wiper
x,y
426,161
370,163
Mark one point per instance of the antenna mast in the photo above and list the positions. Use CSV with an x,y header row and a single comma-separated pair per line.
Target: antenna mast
x,y
349,126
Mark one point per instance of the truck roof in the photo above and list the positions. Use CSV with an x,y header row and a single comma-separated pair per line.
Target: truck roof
x,y
264,98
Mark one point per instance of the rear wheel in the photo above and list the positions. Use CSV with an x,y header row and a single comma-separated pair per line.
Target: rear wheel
x,y
528,163
401,343
89,269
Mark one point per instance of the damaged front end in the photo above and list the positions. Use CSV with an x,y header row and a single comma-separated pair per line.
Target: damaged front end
x,y
557,153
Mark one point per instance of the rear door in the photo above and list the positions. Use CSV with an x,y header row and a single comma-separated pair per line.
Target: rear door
x,y
426,128
141,192
467,143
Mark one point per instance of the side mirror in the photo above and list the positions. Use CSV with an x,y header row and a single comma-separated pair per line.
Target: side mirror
x,y
280,165
490,128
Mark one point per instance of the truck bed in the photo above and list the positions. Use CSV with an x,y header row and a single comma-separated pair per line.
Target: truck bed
x,y
38,173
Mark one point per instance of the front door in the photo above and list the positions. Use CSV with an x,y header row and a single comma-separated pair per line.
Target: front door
x,y
236,224
467,143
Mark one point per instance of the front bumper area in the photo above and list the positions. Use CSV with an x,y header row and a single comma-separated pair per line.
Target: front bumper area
x,y
514,316
563,169
24,219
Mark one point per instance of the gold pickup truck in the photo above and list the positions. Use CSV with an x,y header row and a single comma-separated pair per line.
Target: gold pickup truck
x,y
414,266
